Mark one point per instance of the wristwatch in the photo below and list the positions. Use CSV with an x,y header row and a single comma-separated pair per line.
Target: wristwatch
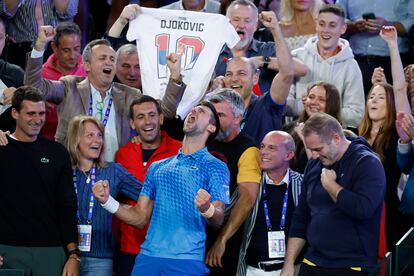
x,y
266,61
75,251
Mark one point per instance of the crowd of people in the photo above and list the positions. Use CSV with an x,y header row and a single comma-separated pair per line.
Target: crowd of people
x,y
248,138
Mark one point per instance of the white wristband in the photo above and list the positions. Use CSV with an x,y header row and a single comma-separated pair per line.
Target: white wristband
x,y
210,212
111,205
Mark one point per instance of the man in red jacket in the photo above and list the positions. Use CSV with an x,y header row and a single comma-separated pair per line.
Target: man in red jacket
x,y
154,145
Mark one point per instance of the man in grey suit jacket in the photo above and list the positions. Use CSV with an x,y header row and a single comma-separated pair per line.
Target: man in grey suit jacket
x,y
95,94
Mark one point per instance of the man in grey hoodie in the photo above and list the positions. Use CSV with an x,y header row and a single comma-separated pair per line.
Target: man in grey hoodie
x,y
329,58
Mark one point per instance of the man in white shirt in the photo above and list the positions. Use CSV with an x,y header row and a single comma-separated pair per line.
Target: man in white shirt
x,y
96,95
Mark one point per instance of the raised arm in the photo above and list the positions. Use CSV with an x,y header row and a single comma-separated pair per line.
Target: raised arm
x,y
299,67
280,87
389,34
52,90
175,87
129,13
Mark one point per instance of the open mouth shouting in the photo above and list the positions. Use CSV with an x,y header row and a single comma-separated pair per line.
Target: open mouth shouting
x,y
107,71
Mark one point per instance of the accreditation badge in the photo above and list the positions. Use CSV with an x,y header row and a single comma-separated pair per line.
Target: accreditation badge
x,y
85,237
276,244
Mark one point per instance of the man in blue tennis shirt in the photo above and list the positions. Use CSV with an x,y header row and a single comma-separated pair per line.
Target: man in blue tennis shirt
x,y
182,193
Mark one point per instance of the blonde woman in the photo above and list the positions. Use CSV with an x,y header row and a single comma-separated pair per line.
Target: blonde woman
x,y
85,144
297,20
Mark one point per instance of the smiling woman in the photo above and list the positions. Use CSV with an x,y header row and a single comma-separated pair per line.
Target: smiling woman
x,y
85,144
320,97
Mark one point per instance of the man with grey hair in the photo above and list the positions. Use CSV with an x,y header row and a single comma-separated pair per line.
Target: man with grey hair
x,y
210,6
241,155
339,209
127,66
96,95
244,16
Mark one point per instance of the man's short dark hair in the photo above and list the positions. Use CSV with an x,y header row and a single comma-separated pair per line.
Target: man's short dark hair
x,y
143,99
214,119
87,52
28,93
66,28
323,125
335,9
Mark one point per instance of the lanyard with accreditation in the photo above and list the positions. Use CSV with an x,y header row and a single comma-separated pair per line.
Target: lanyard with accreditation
x,y
85,230
275,239
107,111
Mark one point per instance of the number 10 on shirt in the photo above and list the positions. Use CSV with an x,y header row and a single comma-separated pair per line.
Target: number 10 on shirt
x,y
190,46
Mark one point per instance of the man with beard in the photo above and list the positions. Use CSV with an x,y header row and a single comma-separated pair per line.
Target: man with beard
x,y
146,119
339,209
241,155
183,193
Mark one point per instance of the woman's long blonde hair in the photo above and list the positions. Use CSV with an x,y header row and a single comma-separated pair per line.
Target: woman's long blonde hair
x,y
286,11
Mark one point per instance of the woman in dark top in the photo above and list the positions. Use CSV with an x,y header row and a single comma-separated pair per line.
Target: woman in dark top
x,y
320,97
378,127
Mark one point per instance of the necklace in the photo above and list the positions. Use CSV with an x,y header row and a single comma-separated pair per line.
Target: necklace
x,y
88,176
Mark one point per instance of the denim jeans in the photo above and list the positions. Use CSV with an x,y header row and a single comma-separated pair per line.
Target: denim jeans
x,y
96,266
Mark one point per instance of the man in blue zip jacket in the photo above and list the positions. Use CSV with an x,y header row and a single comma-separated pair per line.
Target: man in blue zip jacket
x,y
340,205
